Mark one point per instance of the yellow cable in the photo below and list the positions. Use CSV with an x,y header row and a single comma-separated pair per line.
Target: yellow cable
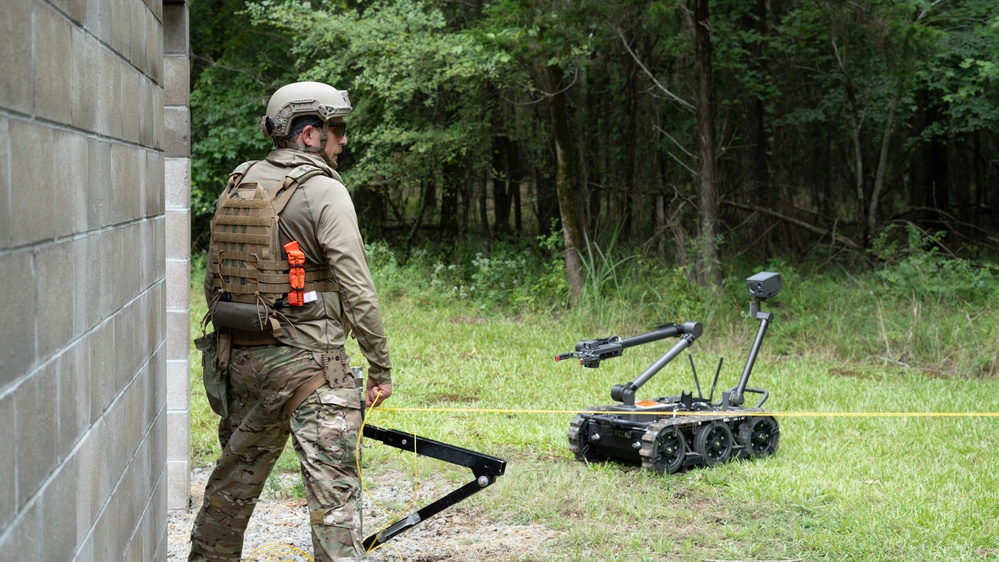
x,y
416,478
704,413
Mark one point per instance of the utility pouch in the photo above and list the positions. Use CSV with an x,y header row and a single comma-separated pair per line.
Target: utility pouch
x,y
242,316
215,348
340,377
336,364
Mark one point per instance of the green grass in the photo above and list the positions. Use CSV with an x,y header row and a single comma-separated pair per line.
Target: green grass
x,y
867,487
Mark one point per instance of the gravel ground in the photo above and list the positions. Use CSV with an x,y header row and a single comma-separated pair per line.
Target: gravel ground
x,y
279,529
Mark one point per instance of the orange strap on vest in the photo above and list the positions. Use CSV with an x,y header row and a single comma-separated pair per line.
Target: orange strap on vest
x,y
296,273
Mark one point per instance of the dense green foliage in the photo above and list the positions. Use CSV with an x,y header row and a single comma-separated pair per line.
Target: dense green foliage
x,y
833,119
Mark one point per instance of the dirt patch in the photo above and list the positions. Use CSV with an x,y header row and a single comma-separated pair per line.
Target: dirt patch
x,y
279,528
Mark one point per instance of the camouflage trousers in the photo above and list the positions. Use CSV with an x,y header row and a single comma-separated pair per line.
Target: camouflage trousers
x,y
324,430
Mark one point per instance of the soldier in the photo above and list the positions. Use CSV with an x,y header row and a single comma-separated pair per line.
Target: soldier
x,y
287,280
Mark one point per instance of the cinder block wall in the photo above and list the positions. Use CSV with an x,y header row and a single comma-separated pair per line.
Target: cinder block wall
x,y
83,265
177,119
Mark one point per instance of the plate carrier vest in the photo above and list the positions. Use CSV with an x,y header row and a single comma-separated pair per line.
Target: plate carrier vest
x,y
246,259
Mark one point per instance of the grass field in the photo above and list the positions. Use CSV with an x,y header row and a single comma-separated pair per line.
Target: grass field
x,y
873,462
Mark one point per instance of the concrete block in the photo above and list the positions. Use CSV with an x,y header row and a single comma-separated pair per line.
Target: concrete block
x,y
179,484
126,353
158,433
35,462
102,368
116,457
107,255
131,99
121,27
156,330
178,335
76,10
176,31
147,111
178,385
156,8
98,19
177,80
178,434
137,548
178,183
137,37
90,497
31,166
133,429
86,81
59,514
24,541
127,171
146,406
143,262
161,245
177,134
87,277
54,278
5,210
52,65
155,183
147,269
157,515
109,122
178,284
15,52
178,234
98,184
154,44
86,552
70,185
73,369
159,119
157,391
130,502
131,269
17,354
106,532
8,485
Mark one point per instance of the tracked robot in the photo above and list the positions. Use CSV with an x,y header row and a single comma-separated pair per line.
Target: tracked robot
x,y
669,434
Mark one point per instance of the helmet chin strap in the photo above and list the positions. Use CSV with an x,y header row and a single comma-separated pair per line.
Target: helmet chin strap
x,y
323,137
321,149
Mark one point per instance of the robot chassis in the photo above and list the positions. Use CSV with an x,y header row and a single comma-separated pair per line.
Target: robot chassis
x,y
672,433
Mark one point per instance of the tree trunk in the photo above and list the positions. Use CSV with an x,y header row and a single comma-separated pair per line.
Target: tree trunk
x,y
565,185
708,255
879,177
756,183
856,120
483,198
501,186
449,206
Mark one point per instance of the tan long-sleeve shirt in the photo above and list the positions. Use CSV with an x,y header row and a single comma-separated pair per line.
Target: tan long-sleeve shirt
x,y
320,216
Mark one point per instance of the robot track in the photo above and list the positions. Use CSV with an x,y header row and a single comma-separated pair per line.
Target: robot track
x,y
670,444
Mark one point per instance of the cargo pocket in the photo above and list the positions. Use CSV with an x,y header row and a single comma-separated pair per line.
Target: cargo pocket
x,y
336,532
337,428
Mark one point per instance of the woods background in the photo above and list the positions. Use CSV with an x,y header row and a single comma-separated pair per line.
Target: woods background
x,y
689,130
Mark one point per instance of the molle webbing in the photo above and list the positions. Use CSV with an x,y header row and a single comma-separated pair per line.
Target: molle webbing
x,y
247,259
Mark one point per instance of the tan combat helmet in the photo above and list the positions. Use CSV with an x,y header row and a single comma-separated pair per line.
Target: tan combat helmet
x,y
298,100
